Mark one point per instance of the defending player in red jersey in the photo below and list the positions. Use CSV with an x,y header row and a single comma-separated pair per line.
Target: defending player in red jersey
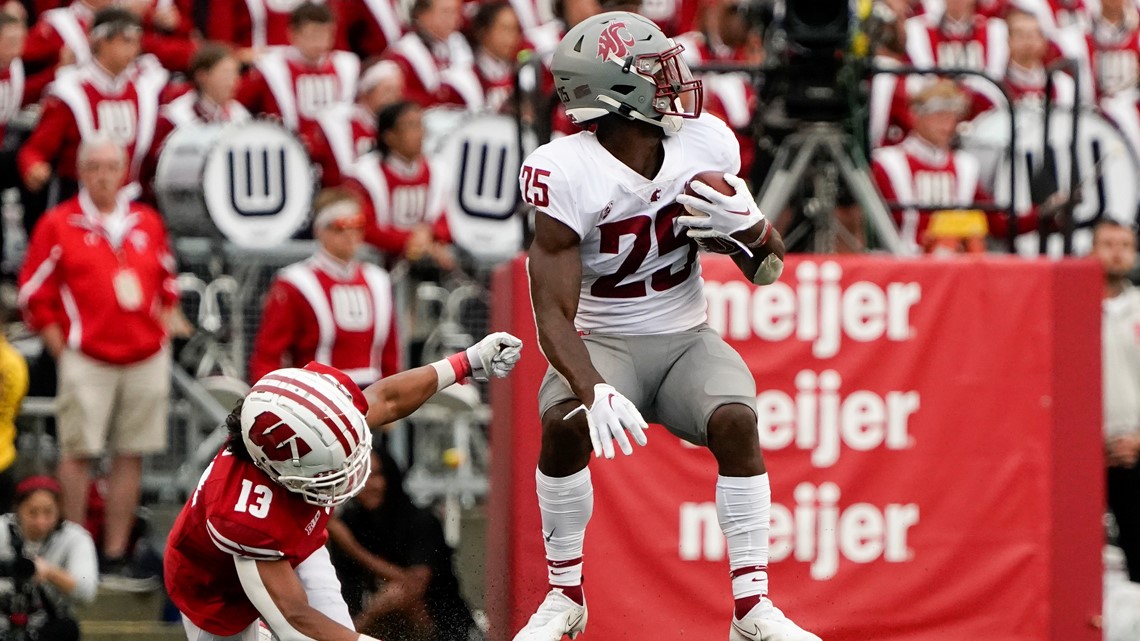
x,y
249,544
621,312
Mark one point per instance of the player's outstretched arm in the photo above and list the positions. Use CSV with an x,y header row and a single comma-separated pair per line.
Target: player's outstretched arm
x,y
280,599
393,398
554,263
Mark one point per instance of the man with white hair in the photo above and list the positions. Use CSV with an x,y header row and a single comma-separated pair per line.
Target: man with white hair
x,y
116,94
98,284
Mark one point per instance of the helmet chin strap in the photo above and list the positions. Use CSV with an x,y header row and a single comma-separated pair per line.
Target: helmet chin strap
x,y
671,124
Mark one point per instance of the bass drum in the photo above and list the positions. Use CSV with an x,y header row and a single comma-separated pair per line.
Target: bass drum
x,y
481,157
1104,158
250,183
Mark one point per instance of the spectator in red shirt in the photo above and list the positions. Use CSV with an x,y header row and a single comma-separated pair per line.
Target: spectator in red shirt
x,y
116,94
299,82
98,285
436,58
402,196
330,308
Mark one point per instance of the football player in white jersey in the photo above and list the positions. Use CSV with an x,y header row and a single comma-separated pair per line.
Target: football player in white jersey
x,y
618,300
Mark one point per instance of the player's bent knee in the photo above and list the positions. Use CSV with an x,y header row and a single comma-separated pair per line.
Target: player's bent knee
x,y
555,425
734,421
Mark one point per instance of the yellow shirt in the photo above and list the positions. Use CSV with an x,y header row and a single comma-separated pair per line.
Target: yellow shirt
x,y
13,388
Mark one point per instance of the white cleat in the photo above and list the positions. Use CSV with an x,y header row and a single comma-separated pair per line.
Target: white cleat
x,y
558,615
766,623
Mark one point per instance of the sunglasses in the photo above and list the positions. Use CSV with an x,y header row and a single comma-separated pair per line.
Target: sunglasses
x,y
346,224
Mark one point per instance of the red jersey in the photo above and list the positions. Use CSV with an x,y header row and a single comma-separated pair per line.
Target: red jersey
x,y
398,196
918,179
86,99
978,44
252,23
340,137
326,311
297,91
437,73
367,27
103,278
237,511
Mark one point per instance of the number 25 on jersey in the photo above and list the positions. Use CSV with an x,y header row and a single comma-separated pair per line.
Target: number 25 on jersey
x,y
644,228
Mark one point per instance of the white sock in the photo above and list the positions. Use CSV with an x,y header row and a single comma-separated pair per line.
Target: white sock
x,y
744,508
566,505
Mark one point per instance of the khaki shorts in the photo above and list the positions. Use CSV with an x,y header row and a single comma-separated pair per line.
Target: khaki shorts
x,y
677,380
102,406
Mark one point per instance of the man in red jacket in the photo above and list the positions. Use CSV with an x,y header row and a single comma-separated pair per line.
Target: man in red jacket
x,y
98,285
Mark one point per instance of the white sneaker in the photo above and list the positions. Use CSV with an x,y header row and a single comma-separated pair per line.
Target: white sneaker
x,y
766,623
558,615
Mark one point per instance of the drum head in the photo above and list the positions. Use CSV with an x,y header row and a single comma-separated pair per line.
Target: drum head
x,y
484,160
257,184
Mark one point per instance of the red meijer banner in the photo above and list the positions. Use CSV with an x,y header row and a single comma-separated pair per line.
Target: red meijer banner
x,y
932,432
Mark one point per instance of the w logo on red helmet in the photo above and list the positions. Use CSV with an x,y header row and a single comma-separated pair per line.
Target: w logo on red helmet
x,y
276,439
615,39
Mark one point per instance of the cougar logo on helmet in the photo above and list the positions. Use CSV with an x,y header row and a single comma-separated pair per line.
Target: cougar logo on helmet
x,y
615,39
274,437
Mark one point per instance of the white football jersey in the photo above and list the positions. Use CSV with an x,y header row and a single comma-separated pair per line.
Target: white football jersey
x,y
640,273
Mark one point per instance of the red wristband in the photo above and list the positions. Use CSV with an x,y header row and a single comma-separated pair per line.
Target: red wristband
x,y
462,366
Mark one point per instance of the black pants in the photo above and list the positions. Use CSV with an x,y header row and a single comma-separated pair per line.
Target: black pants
x,y
1124,501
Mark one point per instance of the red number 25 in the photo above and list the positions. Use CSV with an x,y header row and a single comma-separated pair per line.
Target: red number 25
x,y
534,190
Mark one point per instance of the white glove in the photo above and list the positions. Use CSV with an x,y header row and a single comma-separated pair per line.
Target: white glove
x,y
496,355
609,417
715,215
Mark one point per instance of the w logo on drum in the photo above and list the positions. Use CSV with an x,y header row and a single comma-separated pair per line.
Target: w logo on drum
x,y
486,188
278,441
116,118
257,180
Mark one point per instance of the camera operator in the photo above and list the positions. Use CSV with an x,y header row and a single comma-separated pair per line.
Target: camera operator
x,y
46,564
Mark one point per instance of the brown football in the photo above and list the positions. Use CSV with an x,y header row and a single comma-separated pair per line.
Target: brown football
x,y
714,179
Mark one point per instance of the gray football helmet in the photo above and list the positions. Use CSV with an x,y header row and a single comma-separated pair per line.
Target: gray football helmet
x,y
622,63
